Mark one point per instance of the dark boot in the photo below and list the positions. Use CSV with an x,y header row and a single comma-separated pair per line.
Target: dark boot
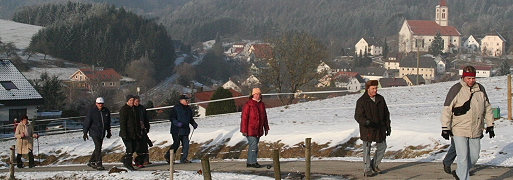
x,y
167,157
147,159
99,166
19,163
31,160
127,161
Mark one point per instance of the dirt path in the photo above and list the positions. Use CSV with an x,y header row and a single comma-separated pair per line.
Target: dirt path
x,y
320,168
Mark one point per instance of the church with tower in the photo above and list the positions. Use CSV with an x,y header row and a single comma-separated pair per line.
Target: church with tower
x,y
417,35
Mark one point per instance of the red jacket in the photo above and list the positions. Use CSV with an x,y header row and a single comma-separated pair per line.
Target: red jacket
x,y
254,119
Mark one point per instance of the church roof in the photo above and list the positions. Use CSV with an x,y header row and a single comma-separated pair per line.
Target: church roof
x,y
430,28
443,3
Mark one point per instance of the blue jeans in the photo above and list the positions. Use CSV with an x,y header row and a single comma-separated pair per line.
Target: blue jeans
x,y
378,155
252,149
451,154
467,150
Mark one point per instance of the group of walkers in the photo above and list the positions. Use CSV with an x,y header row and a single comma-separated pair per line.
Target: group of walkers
x,y
466,110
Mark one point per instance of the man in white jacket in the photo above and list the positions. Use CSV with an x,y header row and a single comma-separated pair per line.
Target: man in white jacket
x,y
465,110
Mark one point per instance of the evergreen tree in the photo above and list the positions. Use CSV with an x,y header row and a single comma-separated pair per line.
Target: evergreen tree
x,y
51,90
503,69
385,48
221,107
437,45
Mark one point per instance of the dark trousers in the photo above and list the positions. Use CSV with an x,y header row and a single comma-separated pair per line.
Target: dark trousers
x,y
31,159
142,152
97,153
184,139
131,145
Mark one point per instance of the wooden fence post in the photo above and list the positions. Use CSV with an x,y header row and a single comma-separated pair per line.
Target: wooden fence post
x,y
13,161
205,164
308,155
509,96
171,164
276,164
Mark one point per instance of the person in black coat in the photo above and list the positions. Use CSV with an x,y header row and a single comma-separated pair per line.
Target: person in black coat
x,y
181,118
373,116
142,151
97,124
129,130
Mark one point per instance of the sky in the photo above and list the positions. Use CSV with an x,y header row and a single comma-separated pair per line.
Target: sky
x,y
415,115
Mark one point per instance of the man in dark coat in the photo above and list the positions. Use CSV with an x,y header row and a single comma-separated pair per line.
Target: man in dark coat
x,y
181,118
142,151
97,124
254,124
129,130
374,118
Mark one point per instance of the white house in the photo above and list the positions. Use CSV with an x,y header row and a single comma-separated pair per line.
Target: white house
x,y
369,46
17,96
440,64
481,71
417,35
493,44
471,44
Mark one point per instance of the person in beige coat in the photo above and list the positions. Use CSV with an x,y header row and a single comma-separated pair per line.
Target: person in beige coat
x,y
24,140
466,110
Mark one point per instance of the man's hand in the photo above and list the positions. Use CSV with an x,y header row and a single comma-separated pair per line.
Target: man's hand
x,y
195,126
265,132
489,130
244,134
446,134
109,134
36,136
389,131
180,124
85,137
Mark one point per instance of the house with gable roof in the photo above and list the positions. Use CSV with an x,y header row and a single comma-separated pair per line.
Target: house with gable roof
x,y
17,96
392,82
471,44
99,76
352,81
418,34
426,66
493,44
370,46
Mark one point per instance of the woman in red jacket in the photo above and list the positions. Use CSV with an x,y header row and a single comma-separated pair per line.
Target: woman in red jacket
x,y
253,125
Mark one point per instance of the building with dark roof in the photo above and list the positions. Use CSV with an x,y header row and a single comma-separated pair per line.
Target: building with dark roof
x,y
17,96
426,68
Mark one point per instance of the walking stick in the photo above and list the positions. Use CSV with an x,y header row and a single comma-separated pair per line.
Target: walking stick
x,y
190,137
38,158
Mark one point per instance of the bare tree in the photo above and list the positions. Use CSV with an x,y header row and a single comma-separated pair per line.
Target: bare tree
x,y
293,63
143,71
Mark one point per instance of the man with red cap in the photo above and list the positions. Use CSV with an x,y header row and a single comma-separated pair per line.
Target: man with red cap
x,y
466,108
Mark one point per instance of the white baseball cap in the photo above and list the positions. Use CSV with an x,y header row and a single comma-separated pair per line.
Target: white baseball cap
x,y
99,100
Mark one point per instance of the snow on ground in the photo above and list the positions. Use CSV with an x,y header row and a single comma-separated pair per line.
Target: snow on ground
x,y
415,114
17,33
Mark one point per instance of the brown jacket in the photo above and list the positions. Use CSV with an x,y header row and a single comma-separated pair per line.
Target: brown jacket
x,y
24,145
377,112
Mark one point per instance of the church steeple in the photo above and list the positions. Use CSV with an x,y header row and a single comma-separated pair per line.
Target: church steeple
x,y
442,13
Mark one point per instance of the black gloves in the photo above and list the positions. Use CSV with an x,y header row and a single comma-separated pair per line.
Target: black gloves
x,y
389,131
109,135
369,123
446,134
489,130
85,137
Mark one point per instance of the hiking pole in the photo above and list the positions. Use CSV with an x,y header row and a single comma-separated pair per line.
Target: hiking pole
x,y
38,158
190,137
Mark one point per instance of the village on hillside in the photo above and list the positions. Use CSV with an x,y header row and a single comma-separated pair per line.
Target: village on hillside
x,y
411,59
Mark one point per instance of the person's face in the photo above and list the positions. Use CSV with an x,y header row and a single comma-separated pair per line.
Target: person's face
x,y
130,102
24,121
136,102
372,91
184,102
470,80
99,105
257,96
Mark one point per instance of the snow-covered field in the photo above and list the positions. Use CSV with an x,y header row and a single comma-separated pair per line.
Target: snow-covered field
x,y
415,114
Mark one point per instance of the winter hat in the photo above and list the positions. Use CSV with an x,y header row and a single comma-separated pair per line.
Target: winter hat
x,y
183,96
24,117
99,100
128,97
255,91
371,83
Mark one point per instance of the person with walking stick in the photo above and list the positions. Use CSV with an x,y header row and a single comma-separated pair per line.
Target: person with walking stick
x,y
97,124
24,141
181,118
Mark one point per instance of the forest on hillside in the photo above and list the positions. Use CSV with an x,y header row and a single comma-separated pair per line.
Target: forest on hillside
x,y
339,24
100,35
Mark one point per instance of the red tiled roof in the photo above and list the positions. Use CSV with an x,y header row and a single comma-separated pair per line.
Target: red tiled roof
x,y
430,28
262,50
106,74
443,3
206,95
